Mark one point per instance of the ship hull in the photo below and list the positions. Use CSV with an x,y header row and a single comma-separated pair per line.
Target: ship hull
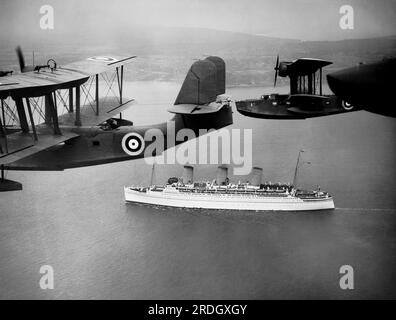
x,y
227,202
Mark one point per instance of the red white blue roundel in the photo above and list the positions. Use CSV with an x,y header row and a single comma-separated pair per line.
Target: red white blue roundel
x,y
106,59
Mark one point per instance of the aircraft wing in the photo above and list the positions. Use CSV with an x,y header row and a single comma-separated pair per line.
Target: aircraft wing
x,y
34,84
98,64
45,81
109,107
21,145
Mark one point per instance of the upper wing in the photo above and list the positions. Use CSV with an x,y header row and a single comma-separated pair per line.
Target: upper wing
x,y
98,64
39,83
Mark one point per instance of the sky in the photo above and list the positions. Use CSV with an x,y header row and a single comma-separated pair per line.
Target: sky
x,y
295,19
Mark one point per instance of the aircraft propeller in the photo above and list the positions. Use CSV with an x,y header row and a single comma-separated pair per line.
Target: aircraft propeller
x,y
21,60
51,64
276,70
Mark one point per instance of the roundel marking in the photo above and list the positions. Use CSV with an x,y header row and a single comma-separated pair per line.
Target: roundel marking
x,y
347,106
103,59
133,144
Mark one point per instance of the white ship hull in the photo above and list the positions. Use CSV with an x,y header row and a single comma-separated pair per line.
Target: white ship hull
x,y
227,201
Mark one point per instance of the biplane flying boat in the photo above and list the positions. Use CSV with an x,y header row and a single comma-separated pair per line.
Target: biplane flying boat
x,y
34,136
306,98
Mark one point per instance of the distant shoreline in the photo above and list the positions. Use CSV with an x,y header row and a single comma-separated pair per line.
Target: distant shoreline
x,y
263,86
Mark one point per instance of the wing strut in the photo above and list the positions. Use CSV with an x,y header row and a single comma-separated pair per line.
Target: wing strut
x,y
53,113
320,83
120,80
3,133
31,119
22,115
97,93
71,100
78,118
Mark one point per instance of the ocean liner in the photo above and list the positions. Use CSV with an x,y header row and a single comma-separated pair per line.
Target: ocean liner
x,y
221,194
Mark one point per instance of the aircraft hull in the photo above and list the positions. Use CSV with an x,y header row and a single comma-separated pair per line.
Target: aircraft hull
x,y
94,146
293,107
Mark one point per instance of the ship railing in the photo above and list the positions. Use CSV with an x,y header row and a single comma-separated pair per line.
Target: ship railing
x,y
233,191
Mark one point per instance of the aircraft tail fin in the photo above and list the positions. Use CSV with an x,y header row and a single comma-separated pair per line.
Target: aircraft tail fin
x,y
204,82
201,102
202,88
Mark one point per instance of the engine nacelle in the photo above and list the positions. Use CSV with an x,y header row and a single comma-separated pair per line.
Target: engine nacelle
x,y
284,68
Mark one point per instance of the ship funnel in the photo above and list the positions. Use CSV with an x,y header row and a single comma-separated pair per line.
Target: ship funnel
x,y
222,175
257,174
188,174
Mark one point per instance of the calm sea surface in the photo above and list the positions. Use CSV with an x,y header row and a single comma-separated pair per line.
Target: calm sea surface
x,y
77,220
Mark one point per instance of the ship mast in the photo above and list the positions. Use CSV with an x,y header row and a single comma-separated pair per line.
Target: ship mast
x,y
152,174
296,170
298,167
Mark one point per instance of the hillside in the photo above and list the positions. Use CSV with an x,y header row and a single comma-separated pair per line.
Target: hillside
x,y
166,53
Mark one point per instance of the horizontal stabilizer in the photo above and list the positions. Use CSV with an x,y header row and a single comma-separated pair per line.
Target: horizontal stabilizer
x,y
211,107
195,109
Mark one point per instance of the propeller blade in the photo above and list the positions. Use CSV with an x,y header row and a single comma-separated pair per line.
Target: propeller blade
x,y
276,70
21,59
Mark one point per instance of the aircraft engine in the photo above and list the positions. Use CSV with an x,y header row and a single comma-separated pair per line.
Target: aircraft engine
x,y
283,68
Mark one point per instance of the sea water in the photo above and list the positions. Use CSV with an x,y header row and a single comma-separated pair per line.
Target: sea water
x,y
77,222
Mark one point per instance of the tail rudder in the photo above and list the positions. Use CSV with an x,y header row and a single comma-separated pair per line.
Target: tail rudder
x,y
199,86
199,102
204,82
220,73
